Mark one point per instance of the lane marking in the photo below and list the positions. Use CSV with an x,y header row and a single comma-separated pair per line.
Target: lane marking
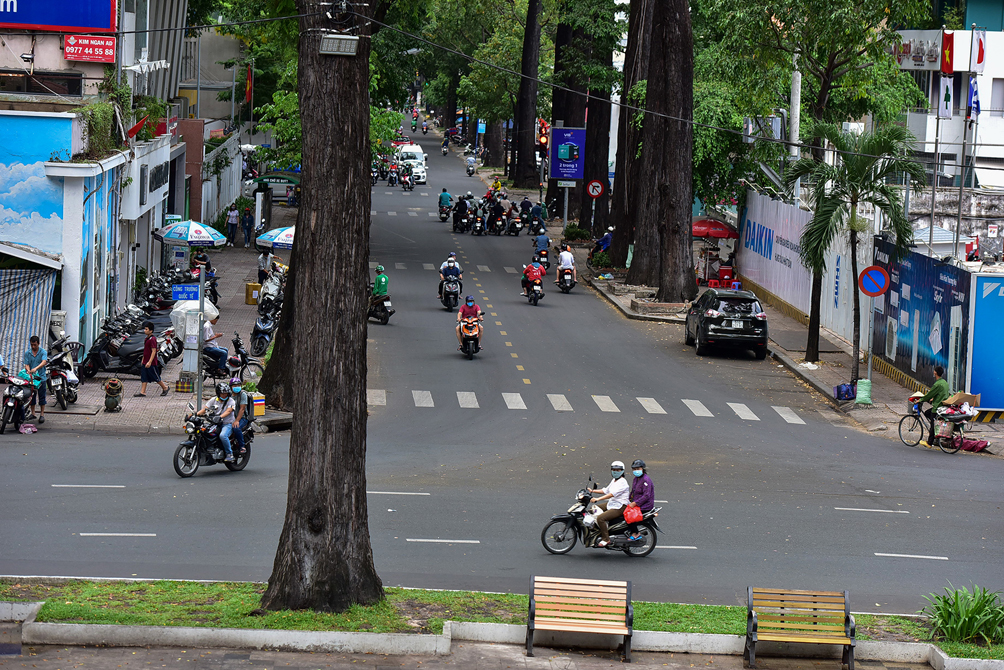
x,y
414,213
605,403
742,411
502,332
930,558
514,355
422,398
376,397
428,266
400,266
510,270
508,344
697,407
788,415
520,368
372,212
432,215
424,193
414,539
663,501
651,405
559,402
513,401
669,546
398,493
389,192
117,534
391,213
870,491
484,268
859,509
526,381
88,486
467,400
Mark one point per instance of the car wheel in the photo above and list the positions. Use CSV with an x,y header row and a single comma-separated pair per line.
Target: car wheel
x,y
761,353
702,348
687,339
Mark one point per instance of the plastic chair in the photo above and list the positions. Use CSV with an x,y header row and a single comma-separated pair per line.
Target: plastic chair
x,y
75,348
725,274
713,283
737,286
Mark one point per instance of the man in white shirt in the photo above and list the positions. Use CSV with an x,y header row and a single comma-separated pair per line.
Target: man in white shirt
x,y
566,261
213,350
613,499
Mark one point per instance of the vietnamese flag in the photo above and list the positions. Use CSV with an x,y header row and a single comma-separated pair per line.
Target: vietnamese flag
x,y
138,127
247,86
948,52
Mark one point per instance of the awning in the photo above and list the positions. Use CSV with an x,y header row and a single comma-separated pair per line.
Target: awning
x,y
148,67
703,227
26,253
990,175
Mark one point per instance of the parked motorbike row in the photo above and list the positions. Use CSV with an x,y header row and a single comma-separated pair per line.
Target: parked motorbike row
x,y
59,378
119,347
269,310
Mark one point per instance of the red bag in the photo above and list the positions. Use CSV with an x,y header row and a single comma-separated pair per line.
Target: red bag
x,y
632,514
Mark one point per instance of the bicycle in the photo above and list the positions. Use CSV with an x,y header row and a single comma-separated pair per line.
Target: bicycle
x,y
915,425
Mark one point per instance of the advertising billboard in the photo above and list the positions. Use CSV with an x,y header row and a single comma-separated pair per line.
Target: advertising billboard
x,y
89,48
923,320
986,356
568,153
87,16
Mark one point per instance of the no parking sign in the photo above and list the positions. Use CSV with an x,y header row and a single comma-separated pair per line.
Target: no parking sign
x,y
873,281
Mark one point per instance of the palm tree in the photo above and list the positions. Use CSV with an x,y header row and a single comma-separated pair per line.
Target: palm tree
x,y
865,165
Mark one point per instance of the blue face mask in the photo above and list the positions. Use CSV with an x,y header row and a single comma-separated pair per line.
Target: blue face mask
x,y
616,473
637,473
235,389
470,304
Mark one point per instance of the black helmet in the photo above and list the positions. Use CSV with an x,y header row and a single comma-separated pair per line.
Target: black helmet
x,y
222,388
638,463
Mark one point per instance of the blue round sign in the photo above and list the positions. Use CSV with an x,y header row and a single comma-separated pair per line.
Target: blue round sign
x,y
873,281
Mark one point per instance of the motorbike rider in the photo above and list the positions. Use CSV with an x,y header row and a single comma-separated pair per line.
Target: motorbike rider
x,y
214,351
471,163
222,406
525,206
446,142
612,500
531,273
541,242
460,210
498,216
566,261
406,173
466,310
603,243
642,493
445,199
243,413
425,126
450,268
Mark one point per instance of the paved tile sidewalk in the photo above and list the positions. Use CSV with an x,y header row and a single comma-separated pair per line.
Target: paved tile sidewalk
x,y
155,414
467,655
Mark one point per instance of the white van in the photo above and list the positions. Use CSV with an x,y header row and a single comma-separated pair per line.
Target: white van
x,y
413,155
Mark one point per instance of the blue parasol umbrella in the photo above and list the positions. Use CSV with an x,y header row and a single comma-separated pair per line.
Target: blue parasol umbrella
x,y
190,233
278,238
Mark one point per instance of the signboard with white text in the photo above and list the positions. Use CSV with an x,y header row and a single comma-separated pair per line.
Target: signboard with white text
x,y
89,48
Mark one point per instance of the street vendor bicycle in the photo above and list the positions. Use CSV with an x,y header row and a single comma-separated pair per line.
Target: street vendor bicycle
x,y
915,426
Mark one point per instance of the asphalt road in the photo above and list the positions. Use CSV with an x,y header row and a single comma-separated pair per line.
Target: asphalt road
x,y
763,483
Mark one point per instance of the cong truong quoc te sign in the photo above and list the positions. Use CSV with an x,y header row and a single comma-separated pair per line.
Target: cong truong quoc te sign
x,y
85,16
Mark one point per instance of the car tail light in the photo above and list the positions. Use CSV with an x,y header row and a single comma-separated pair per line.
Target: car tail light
x,y
713,313
760,315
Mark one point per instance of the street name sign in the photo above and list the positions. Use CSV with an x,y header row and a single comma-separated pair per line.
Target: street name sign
x,y
185,292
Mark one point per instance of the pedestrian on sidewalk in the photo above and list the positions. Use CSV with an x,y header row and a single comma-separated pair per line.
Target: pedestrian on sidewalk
x,y
247,222
150,372
34,360
232,219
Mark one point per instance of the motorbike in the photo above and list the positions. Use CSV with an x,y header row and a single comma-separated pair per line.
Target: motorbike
x,y
470,335
120,353
536,227
542,257
17,396
203,447
263,332
578,523
470,169
446,150
62,382
382,168
535,291
444,212
425,130
242,365
408,183
451,293
514,226
380,308
414,126
566,280
478,227
392,176
375,175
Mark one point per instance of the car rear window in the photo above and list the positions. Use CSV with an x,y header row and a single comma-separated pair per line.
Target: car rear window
x,y
738,306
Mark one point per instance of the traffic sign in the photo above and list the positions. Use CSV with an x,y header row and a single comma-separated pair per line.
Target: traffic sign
x,y
185,292
873,281
594,188
566,184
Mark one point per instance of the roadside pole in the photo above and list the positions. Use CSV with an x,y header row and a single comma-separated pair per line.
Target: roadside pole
x,y
962,185
871,326
198,357
934,184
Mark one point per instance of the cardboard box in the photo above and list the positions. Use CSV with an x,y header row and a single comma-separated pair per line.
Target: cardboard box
x,y
258,401
251,291
184,386
960,397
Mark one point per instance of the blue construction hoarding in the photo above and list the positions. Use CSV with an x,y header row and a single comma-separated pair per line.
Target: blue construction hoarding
x,y
923,320
986,367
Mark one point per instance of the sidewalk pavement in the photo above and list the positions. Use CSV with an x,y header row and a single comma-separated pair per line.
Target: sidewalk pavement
x,y
155,414
469,656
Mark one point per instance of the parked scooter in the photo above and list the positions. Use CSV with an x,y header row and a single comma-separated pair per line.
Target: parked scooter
x,y
241,364
17,396
203,447
263,332
380,308
62,383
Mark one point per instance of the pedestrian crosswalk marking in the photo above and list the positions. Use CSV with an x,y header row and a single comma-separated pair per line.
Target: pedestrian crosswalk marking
x,y
467,399
432,215
425,194
513,401
510,270
559,402
400,266
788,415
423,398
743,412
605,403
388,192
651,405
376,397
412,213
483,268
697,407
428,266
391,213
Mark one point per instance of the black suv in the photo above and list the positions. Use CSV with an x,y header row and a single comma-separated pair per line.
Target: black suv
x,y
727,319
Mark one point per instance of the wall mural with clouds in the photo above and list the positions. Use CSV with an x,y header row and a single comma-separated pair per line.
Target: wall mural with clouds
x,y
31,204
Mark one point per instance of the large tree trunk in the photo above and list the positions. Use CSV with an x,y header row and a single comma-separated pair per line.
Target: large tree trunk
x,y
666,153
526,167
493,142
450,112
628,169
812,340
324,560
597,157
569,107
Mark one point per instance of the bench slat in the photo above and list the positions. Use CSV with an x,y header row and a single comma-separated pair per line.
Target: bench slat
x,y
804,593
800,607
581,601
581,615
797,599
780,627
785,637
570,580
580,627
566,607
591,595
801,615
582,588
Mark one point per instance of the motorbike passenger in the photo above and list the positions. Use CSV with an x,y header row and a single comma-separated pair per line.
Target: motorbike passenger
x,y
222,406
533,272
642,493
217,353
380,285
612,500
446,143
566,261
468,309
450,268
242,416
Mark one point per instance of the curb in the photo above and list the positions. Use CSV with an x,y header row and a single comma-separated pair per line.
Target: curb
x,y
789,363
602,290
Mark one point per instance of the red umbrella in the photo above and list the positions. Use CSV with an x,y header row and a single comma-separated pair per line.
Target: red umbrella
x,y
713,228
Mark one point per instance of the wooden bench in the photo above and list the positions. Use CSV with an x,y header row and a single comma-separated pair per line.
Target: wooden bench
x,y
580,606
807,617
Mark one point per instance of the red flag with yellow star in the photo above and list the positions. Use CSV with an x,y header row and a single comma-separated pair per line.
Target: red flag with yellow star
x,y
947,52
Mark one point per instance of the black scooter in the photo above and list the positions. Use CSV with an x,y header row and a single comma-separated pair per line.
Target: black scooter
x,y
16,397
203,446
264,331
451,293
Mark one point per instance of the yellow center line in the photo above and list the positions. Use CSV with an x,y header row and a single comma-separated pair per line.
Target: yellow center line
x,y
493,313
489,307
526,381
514,355
508,344
519,367
502,332
498,323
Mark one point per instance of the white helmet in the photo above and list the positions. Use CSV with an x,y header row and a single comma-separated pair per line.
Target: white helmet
x,y
611,229
617,465
470,195
451,263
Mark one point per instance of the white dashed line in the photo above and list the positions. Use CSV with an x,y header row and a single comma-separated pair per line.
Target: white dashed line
x,y
88,486
391,213
559,402
467,399
428,266
376,397
930,558
513,401
788,415
484,268
398,493
510,270
697,407
743,412
117,534
669,546
423,398
400,266
605,403
885,511
412,539
412,213
651,405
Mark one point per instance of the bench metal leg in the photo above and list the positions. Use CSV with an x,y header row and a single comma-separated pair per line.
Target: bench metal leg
x,y
627,648
529,641
848,658
749,653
